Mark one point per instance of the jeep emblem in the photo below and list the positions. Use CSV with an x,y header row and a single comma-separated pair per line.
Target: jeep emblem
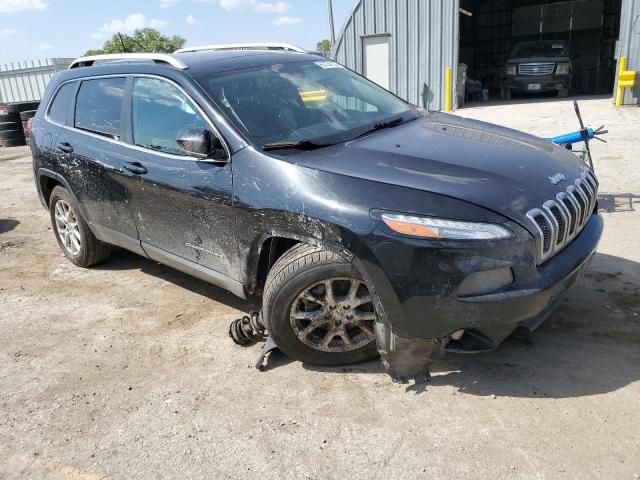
x,y
557,178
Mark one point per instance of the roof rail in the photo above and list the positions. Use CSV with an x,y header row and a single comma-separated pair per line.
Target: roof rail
x,y
115,57
245,46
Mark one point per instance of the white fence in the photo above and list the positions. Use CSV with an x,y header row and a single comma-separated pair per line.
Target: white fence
x,y
25,81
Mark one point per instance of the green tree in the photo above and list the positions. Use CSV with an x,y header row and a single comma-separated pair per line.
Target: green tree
x,y
323,46
143,40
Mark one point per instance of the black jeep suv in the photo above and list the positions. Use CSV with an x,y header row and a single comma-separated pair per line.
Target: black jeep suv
x,y
365,224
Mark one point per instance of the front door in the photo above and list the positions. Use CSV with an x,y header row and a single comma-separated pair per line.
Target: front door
x,y
182,206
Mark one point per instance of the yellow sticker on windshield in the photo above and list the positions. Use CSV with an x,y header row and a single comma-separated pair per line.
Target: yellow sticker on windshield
x,y
314,96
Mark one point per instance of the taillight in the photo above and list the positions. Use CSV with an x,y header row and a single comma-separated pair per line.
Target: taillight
x,y
3,109
29,126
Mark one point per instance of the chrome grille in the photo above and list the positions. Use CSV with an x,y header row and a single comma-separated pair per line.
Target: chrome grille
x,y
560,220
536,68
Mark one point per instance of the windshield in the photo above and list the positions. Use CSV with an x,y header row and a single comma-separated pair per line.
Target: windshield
x,y
313,101
539,50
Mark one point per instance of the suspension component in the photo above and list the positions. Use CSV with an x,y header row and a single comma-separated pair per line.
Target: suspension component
x,y
247,330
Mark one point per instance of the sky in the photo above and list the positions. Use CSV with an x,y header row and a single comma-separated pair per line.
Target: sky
x,y
38,29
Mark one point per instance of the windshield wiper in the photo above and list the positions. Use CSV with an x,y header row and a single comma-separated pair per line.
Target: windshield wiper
x,y
298,145
382,125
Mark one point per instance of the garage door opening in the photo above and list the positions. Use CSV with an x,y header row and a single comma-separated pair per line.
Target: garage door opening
x,y
537,48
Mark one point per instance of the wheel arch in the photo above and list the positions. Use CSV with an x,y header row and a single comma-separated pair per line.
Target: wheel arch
x,y
47,180
272,245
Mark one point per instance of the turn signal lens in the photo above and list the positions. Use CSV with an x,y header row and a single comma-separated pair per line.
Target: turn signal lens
x,y
440,228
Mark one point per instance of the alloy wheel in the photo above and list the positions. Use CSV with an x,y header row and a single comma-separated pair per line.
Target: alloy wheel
x,y
334,315
67,227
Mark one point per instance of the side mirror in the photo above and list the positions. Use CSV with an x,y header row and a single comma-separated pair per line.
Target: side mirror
x,y
201,143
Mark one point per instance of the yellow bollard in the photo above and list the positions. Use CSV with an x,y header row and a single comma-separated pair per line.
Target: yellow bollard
x,y
626,79
448,90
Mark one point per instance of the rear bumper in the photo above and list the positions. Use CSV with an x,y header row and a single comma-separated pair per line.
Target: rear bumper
x,y
534,83
418,283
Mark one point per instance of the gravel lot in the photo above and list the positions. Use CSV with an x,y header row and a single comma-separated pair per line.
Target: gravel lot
x,y
125,370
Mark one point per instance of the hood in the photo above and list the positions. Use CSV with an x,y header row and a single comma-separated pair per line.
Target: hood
x,y
494,167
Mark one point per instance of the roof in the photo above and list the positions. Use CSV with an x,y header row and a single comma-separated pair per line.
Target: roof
x,y
215,61
244,46
197,62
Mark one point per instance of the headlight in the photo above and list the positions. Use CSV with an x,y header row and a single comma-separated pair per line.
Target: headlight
x,y
440,228
511,69
562,69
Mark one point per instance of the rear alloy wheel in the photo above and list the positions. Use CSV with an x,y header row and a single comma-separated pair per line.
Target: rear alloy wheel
x,y
67,227
73,234
318,309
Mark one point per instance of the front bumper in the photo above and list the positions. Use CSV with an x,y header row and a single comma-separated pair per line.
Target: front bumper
x,y
535,83
418,281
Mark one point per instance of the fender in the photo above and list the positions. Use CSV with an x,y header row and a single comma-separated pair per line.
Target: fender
x,y
339,248
45,172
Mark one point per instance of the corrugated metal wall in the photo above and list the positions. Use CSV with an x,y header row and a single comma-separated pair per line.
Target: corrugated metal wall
x,y
24,81
629,46
423,43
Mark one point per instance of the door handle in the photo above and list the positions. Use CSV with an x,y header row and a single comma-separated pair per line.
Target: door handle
x,y
65,147
135,167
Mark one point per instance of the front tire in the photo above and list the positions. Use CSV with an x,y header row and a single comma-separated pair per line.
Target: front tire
x,y
318,308
74,237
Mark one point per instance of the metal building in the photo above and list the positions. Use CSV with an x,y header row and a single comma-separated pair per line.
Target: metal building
x,y
26,81
629,45
408,46
403,45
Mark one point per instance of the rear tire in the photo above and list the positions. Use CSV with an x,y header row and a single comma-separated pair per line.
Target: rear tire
x,y
300,326
74,237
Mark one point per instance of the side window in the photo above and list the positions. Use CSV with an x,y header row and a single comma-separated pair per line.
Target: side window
x,y
61,105
99,105
160,112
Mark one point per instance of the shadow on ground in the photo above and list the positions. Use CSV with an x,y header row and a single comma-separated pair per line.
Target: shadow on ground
x,y
8,224
526,98
125,260
589,345
618,202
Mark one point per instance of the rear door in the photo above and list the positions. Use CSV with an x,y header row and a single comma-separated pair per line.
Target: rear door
x,y
182,205
46,130
91,154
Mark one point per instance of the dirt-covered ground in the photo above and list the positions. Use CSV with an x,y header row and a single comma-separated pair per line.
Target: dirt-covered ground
x,y
126,371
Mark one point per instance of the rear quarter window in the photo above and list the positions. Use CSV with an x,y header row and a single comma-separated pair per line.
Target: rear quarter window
x,y
62,103
99,106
